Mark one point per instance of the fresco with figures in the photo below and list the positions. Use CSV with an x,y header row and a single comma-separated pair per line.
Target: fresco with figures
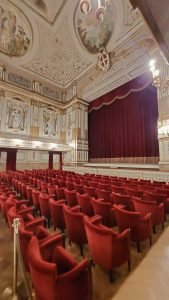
x,y
15,34
93,33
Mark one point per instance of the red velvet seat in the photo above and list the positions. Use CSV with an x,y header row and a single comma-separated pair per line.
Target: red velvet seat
x,y
91,191
60,279
75,226
85,204
51,189
25,216
23,191
60,194
35,199
151,196
45,239
71,198
141,227
44,186
125,200
105,210
157,211
107,248
105,194
44,207
79,188
70,185
19,204
134,192
118,189
104,186
29,194
56,210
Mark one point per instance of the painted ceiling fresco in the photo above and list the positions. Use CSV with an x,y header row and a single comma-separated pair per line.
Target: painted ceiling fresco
x,y
93,33
15,34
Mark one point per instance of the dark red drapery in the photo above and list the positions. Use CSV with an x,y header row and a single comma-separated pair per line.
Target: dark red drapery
x,y
126,127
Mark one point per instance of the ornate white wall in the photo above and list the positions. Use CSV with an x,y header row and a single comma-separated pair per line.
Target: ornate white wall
x,y
163,107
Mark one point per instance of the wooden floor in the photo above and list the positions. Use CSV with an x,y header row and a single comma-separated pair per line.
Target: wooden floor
x,y
148,280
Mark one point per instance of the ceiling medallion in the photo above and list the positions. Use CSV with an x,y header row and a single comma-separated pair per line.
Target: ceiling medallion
x,y
15,32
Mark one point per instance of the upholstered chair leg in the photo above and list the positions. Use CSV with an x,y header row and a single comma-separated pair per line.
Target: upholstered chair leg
x,y
154,229
129,265
110,276
92,262
81,250
162,226
150,238
138,246
70,243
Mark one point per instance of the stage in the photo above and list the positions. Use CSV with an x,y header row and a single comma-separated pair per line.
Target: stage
x,y
139,171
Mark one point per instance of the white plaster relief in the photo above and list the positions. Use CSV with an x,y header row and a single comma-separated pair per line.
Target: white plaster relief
x,y
61,62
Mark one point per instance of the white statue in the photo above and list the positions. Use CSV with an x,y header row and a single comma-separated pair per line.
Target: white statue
x,y
16,119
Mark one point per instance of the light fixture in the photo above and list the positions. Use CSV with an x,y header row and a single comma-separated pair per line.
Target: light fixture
x,y
85,7
158,81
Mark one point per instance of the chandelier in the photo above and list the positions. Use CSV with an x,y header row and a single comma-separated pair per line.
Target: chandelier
x,y
158,81
85,7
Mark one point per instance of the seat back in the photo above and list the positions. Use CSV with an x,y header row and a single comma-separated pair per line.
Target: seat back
x,y
56,210
104,194
75,225
104,210
126,219
43,273
71,197
44,205
100,243
85,204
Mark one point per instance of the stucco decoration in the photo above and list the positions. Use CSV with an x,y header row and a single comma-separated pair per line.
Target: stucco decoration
x,y
93,33
50,126
61,62
15,34
16,117
45,8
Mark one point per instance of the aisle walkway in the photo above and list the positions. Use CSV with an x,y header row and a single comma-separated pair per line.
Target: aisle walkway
x,y
150,280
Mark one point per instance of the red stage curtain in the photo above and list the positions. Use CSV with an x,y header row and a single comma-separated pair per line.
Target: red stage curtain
x,y
126,127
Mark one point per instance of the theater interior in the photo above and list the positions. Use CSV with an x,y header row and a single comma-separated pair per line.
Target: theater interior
x,y
84,149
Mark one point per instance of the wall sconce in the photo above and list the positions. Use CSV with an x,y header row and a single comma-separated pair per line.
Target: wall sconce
x,y
158,82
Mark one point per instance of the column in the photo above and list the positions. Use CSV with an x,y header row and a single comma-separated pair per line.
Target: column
x,y
60,161
79,142
50,160
163,108
11,159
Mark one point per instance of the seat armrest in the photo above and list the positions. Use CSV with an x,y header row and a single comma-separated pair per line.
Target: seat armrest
x,y
20,202
75,208
74,273
41,232
161,205
96,219
147,218
63,260
26,211
54,239
31,225
125,234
